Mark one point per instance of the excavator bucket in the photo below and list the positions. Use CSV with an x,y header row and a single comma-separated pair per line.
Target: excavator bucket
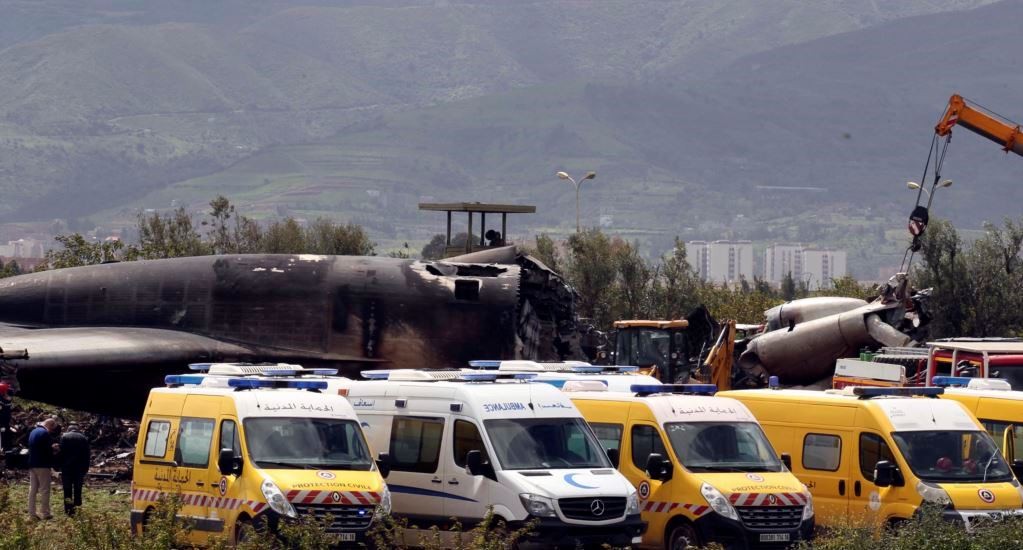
x,y
719,359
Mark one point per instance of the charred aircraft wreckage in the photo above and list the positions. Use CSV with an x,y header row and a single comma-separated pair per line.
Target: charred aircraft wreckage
x,y
96,338
803,338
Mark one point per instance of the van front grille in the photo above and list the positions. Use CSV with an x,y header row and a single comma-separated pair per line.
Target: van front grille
x,y
593,508
771,518
343,518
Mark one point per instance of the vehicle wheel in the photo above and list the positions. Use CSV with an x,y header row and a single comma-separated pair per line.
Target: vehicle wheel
x,y
242,530
147,516
683,536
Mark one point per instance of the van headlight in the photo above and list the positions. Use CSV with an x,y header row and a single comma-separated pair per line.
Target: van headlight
x,y
808,509
536,505
933,494
718,502
275,499
632,508
384,507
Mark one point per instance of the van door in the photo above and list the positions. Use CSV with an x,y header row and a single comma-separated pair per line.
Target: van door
x,y
866,498
416,479
224,489
823,465
191,476
643,439
468,495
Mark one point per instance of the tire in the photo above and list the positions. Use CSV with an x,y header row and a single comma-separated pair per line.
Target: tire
x,y
682,536
146,516
242,530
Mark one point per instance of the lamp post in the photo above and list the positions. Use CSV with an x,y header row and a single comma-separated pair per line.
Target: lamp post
x,y
916,186
565,176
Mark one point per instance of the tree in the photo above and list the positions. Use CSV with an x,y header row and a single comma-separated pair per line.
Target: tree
x,y
77,251
942,269
677,289
169,236
788,287
547,252
9,269
434,250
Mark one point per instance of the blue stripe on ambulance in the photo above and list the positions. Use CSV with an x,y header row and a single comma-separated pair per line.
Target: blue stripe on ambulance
x,y
425,492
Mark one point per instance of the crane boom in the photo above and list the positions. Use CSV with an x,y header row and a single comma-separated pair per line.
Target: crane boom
x,y
962,112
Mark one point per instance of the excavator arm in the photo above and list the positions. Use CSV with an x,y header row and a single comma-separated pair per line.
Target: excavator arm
x,y
962,112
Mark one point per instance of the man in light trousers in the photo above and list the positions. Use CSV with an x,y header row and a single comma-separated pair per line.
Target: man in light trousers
x,y
40,463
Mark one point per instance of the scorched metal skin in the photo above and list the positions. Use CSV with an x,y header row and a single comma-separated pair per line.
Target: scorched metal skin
x,y
98,337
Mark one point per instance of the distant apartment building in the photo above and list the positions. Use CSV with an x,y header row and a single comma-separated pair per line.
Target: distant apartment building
x,y
23,248
721,261
821,266
783,259
817,267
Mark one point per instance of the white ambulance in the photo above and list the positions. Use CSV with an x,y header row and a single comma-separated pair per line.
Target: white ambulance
x,y
457,443
614,378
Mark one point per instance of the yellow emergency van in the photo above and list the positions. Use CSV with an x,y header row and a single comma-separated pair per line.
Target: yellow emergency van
x,y
998,408
704,470
875,455
254,450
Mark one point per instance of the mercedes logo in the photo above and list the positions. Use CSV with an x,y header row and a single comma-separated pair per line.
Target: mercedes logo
x,y
597,507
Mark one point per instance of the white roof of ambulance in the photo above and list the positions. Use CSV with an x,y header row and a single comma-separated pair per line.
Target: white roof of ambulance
x,y
484,400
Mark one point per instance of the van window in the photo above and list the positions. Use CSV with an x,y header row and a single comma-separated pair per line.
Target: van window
x,y
415,443
156,438
997,431
609,435
467,438
873,448
194,439
229,438
645,441
822,452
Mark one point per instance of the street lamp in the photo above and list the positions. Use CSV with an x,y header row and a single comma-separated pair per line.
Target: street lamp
x,y
915,186
565,176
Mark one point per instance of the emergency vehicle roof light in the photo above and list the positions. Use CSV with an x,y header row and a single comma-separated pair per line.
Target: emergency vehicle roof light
x,y
257,383
864,392
642,390
199,366
174,380
375,374
320,372
530,366
972,383
603,369
493,376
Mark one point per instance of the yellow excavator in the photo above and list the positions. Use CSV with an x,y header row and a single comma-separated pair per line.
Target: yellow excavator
x,y
660,349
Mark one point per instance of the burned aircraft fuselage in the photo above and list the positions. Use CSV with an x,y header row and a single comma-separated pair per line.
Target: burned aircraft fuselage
x,y
96,328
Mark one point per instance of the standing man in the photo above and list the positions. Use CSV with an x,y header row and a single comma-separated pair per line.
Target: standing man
x,y
40,461
74,465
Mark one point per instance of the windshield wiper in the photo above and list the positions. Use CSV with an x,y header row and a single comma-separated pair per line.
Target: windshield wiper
x,y
287,464
988,465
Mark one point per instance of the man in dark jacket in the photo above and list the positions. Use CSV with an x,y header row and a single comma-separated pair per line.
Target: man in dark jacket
x,y
74,465
40,461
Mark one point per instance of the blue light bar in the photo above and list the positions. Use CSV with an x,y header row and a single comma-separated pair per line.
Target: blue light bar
x,y
183,379
690,389
868,392
524,376
257,383
375,374
946,381
478,376
485,364
200,366
560,382
321,372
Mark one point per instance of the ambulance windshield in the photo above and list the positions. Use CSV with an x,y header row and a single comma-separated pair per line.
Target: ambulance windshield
x,y
545,443
722,447
951,456
311,443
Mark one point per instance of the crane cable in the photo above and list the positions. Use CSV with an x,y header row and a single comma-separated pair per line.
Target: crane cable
x,y
907,257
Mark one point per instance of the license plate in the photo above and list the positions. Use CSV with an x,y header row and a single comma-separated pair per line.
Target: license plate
x,y
774,537
350,537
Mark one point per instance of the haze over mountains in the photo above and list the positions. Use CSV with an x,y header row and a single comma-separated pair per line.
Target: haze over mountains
x,y
358,110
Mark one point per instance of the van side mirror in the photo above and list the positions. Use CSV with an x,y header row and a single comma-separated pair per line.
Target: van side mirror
x,y
228,464
614,455
786,459
384,464
658,467
1017,468
887,474
474,463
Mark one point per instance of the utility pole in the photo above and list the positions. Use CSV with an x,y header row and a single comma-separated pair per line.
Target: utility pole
x,y
565,176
